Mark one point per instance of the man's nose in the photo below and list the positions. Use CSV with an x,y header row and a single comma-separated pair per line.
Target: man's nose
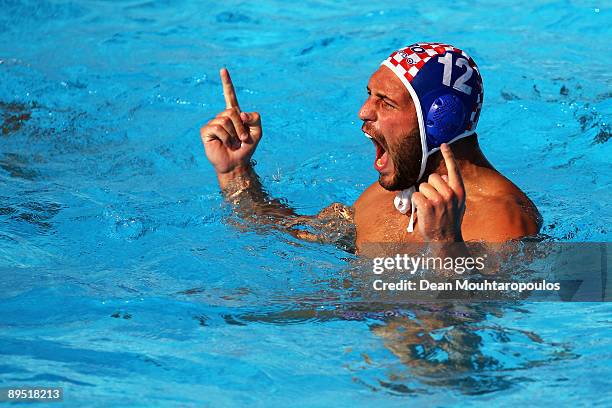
x,y
366,112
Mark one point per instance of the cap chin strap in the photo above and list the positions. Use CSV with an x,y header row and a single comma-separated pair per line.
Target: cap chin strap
x,y
404,196
401,200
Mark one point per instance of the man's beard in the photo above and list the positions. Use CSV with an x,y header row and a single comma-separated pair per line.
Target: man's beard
x,y
406,157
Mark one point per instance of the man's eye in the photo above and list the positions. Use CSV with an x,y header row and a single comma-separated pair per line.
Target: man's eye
x,y
388,104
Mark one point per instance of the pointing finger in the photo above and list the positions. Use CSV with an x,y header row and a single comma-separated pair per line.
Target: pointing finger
x,y
455,181
228,90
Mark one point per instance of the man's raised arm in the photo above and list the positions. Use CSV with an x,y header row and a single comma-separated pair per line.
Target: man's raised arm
x,y
230,139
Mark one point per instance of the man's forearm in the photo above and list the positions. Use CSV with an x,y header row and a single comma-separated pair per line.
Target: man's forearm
x,y
243,189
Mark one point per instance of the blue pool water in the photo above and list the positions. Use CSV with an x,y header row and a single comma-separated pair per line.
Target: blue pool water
x,y
124,280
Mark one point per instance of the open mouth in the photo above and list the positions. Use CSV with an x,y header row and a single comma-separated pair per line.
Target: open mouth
x,y
381,154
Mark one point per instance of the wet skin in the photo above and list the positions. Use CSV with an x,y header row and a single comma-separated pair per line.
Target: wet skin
x,y
461,197
495,209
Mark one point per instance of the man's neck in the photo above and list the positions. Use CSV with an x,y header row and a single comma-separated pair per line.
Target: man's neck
x,y
468,155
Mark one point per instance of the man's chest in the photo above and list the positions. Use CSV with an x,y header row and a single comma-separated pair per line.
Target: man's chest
x,y
382,223
377,221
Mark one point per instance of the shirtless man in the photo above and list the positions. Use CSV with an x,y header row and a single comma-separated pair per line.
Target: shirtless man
x,y
422,99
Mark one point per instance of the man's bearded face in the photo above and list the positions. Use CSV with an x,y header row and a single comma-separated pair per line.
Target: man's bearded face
x,y
389,119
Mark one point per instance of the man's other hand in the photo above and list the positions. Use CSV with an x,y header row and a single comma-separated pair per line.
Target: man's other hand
x,y
440,203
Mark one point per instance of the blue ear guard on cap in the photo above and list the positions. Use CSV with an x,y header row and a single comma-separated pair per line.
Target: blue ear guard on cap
x,y
445,118
448,89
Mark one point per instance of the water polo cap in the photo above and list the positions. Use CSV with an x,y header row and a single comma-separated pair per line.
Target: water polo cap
x,y
446,87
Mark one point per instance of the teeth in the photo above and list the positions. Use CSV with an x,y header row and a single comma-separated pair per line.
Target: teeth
x,y
379,163
368,136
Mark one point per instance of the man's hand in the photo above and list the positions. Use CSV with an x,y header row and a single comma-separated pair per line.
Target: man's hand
x,y
440,203
230,139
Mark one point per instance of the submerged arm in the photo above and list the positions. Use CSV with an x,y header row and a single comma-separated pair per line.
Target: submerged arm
x,y
244,191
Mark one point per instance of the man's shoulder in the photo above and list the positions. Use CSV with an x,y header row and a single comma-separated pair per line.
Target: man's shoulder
x,y
501,211
369,194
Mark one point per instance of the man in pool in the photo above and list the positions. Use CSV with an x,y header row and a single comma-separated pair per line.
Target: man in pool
x,y
422,100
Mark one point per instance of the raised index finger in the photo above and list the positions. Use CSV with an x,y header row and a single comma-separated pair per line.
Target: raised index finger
x,y
455,181
228,90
